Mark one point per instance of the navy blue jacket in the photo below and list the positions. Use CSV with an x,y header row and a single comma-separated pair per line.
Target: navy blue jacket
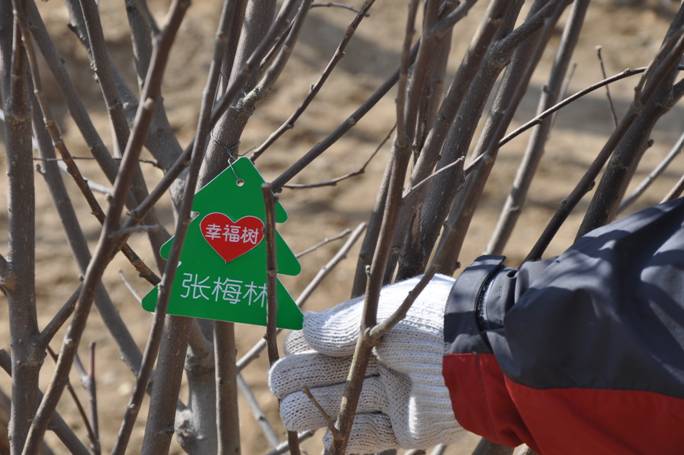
x,y
581,354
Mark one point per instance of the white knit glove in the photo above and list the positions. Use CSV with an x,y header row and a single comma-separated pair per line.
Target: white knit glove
x,y
404,402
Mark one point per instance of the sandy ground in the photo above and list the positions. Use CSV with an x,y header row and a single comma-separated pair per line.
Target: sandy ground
x,y
629,37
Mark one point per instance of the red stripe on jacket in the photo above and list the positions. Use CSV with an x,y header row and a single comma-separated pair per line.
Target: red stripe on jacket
x,y
560,420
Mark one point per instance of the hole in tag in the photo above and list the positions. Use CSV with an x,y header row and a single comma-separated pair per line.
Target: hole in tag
x,y
240,183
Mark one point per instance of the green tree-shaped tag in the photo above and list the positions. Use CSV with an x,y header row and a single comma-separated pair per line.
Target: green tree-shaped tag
x,y
222,270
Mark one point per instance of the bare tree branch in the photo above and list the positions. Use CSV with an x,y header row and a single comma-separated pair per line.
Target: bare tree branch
x,y
613,113
58,320
440,196
653,175
77,241
101,65
675,192
283,447
71,96
536,145
272,306
92,394
105,245
401,156
4,272
229,125
570,99
57,424
27,357
653,75
348,175
181,162
425,85
340,131
336,5
273,71
636,139
160,140
153,439
450,106
46,126
370,240
79,407
259,416
316,87
103,68
344,233
143,28
226,393
271,275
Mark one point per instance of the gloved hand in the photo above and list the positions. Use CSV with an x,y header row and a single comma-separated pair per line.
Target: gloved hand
x,y
404,402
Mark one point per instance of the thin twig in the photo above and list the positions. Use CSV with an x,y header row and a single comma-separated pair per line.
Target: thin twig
x,y
570,99
337,5
154,163
413,191
323,242
656,72
92,393
283,447
653,101
330,422
385,326
336,180
653,175
613,113
58,320
316,87
4,273
338,132
79,406
130,287
126,232
102,66
271,274
675,192
257,412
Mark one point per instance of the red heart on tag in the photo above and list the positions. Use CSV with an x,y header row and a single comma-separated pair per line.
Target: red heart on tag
x,y
231,239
